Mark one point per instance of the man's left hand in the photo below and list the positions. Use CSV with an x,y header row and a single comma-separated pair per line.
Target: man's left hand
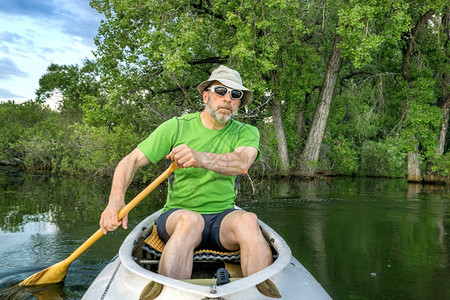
x,y
184,156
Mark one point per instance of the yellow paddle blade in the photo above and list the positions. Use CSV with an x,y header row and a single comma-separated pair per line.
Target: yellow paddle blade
x,y
57,272
53,274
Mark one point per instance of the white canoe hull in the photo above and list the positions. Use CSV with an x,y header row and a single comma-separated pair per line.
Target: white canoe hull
x,y
123,278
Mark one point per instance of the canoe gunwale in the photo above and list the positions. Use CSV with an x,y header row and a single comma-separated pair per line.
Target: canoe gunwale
x,y
284,257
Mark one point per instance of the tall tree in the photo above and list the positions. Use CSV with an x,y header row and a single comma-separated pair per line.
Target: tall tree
x,y
414,172
444,101
277,115
438,41
357,38
422,117
316,133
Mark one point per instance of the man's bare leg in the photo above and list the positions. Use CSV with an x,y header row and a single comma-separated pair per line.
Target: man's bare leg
x,y
185,230
240,229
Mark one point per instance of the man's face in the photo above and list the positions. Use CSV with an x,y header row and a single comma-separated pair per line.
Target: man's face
x,y
221,108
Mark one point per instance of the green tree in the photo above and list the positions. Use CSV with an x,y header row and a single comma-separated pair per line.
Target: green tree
x,y
16,120
75,83
361,28
378,38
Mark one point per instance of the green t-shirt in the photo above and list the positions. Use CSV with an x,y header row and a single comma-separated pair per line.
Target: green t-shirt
x,y
198,189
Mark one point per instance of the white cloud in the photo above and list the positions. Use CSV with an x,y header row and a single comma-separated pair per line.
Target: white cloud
x,y
9,69
34,34
7,94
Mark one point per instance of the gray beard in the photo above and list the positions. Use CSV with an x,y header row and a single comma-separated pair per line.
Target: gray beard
x,y
215,116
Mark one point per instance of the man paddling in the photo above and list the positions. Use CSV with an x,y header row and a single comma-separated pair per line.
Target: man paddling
x,y
212,150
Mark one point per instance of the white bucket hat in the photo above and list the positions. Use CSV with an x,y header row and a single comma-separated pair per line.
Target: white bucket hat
x,y
229,78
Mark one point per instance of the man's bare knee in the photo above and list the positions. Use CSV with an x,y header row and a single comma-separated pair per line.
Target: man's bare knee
x,y
190,222
248,222
246,227
249,218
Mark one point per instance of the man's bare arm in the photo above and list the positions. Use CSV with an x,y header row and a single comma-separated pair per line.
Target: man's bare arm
x,y
234,163
123,175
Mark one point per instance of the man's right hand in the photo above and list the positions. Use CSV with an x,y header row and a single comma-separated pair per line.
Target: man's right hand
x,y
122,177
109,219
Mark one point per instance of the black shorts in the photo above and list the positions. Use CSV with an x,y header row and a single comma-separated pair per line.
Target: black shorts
x,y
210,236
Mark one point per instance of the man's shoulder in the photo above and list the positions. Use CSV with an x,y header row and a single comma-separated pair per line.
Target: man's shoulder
x,y
242,126
188,117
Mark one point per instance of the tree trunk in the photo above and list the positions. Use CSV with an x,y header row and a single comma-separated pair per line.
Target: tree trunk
x,y
414,174
408,50
316,133
430,176
277,116
444,104
444,129
445,101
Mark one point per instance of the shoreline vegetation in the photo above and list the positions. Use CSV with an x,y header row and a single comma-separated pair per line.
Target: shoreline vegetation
x,y
340,88
37,140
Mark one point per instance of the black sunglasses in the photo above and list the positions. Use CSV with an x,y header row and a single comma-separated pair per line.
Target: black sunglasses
x,y
222,91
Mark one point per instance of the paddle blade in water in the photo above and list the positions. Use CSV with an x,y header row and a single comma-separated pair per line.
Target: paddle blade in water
x,y
42,291
53,274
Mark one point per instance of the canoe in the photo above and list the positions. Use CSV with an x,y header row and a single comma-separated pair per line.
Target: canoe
x,y
128,276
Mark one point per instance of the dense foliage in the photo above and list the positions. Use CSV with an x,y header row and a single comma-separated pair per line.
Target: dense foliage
x,y
390,98
38,139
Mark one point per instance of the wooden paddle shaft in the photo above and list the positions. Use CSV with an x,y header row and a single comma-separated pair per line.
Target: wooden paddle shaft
x,y
97,235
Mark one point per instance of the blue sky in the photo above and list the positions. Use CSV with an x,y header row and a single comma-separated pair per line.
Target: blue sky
x,y
36,33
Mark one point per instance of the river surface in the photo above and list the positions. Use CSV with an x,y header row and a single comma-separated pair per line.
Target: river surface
x,y
361,238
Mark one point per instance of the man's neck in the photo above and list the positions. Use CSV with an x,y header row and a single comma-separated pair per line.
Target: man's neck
x,y
209,122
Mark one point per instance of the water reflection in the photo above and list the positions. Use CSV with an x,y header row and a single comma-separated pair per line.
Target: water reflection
x,y
25,232
43,224
43,220
362,238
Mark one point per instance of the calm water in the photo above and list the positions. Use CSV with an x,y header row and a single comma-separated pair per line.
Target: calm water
x,y
361,238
